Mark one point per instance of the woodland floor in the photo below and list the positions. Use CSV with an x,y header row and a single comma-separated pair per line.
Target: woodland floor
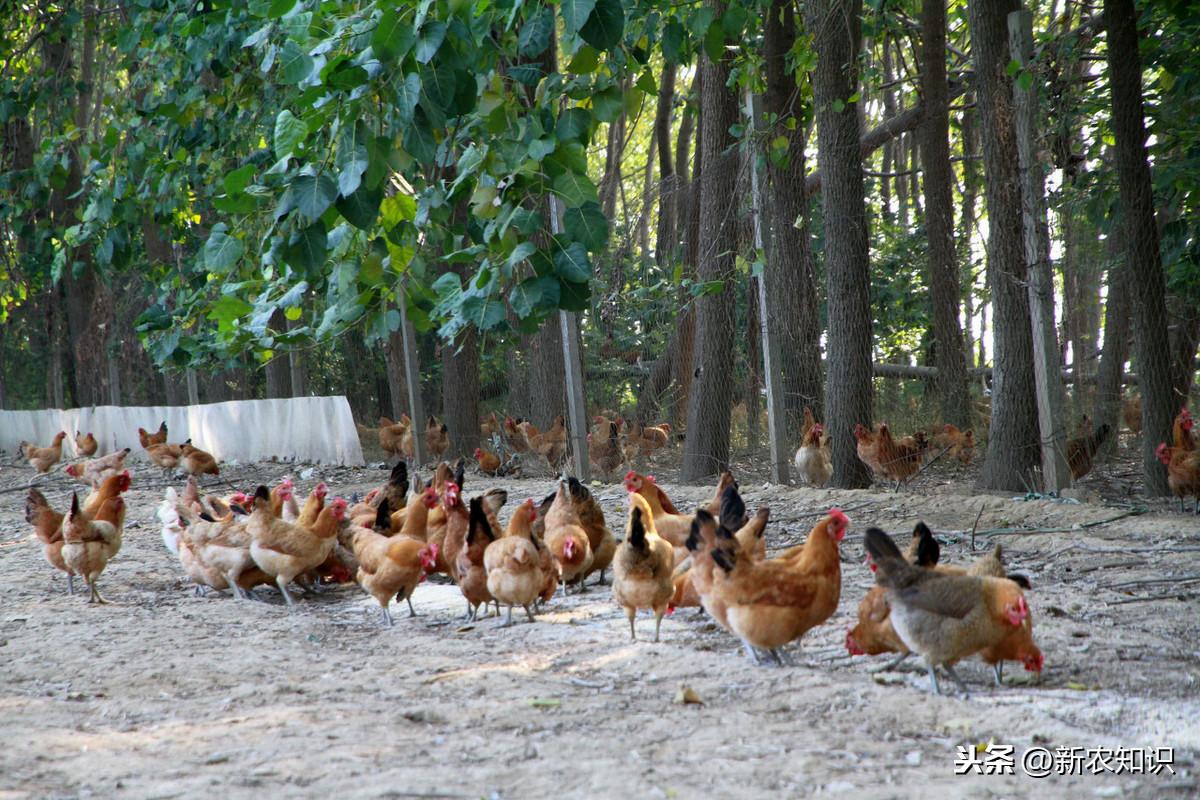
x,y
166,694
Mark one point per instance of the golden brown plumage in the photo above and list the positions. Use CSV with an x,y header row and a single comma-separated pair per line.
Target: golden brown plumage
x,y
642,567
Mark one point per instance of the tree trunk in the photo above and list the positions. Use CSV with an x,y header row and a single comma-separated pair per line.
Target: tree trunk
x,y
393,353
792,304
889,110
836,29
665,236
951,384
611,181
966,219
1109,392
279,380
1151,343
297,367
706,448
1185,337
1014,443
460,394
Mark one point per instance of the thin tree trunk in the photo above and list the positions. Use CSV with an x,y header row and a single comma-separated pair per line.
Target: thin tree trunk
x,y
966,217
393,353
951,384
889,149
1151,343
1014,448
792,303
279,382
1185,337
643,222
298,369
836,29
1109,391
706,448
665,235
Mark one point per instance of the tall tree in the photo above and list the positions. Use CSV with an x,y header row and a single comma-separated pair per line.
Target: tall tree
x,y
710,400
792,299
1013,438
1151,344
951,382
836,27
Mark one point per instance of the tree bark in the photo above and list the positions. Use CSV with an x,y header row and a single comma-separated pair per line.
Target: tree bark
x,y
297,368
279,381
966,219
1109,392
951,385
706,448
460,394
1151,343
393,353
1014,448
665,236
792,303
836,29
889,111
1185,337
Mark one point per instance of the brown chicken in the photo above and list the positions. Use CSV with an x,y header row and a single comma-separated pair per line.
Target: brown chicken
x,y
165,456
944,618
591,519
89,544
94,472
1183,473
391,567
451,535
313,505
437,438
196,461
604,450
489,426
642,567
772,603
43,458
286,551
472,574
693,577
87,445
489,462
812,459
110,487
550,444
146,439
1131,413
1081,451
567,539
522,525
47,526
216,553
645,441
958,444
392,436
899,460
514,434
867,444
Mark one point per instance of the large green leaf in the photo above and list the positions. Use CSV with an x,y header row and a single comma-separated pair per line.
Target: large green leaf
x,y
313,194
408,92
536,33
228,310
429,40
361,209
352,157
575,13
306,250
235,182
525,296
573,123
587,225
222,251
571,263
574,296
605,25
608,104
290,131
574,189
393,36
294,64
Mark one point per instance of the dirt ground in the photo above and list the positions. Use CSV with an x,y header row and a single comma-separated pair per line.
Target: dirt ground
x,y
166,694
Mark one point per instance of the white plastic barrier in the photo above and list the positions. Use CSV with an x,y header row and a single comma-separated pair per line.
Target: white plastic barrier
x,y
307,429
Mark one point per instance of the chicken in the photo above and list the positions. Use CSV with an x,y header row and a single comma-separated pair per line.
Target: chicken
x,y
286,551
1181,431
166,456
94,472
489,426
1131,413
604,451
771,603
451,535
899,460
693,577
216,553
550,444
642,567
944,618
958,444
809,420
567,539
813,460
873,634
591,519
1082,450
313,505
89,544
522,525
87,445
395,492
644,441
146,439
196,461
391,567
43,458
1183,473
110,487
670,524
1018,645
437,438
47,526
514,434
514,572
392,436
472,574
867,444
489,462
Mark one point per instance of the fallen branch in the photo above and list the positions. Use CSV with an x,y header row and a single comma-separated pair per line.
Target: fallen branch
x,y
1171,596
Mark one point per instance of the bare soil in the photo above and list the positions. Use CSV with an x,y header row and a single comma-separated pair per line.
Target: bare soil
x,y
166,694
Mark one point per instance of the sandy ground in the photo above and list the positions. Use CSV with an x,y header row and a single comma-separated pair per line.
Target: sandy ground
x,y
166,694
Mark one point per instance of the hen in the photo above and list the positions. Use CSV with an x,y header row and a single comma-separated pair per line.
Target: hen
x,y
94,472
87,445
812,460
391,567
43,458
1081,451
285,551
47,526
642,567
89,544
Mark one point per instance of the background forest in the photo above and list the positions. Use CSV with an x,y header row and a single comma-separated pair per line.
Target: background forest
x,y
208,200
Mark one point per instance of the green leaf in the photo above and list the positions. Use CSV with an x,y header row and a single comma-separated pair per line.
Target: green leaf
x,y
587,225
573,296
573,123
572,265
294,64
306,250
608,104
379,148
361,209
838,106
672,42
1025,81
352,157
280,7
733,20
605,25
714,43
429,40
646,83
525,296
521,252
575,13
235,182
290,131
222,251
574,189
408,93
536,33
393,37
585,61
398,208
700,21
313,195
1013,68
227,310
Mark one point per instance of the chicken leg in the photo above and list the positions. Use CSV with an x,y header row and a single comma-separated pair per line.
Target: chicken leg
x,y
528,612
95,593
631,613
282,584
387,617
508,622
71,584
